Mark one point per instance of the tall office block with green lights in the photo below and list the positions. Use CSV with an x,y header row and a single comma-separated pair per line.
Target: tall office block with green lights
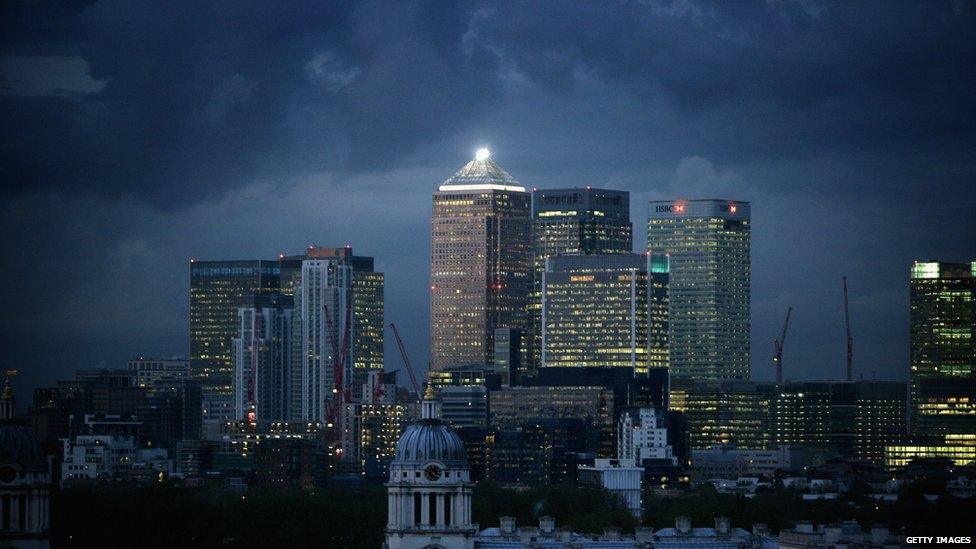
x,y
579,221
708,243
943,352
658,316
595,312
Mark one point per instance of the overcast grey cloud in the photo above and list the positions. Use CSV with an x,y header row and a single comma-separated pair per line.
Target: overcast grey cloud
x,y
139,135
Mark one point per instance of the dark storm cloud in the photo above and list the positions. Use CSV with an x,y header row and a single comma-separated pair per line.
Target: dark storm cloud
x,y
781,77
137,135
199,99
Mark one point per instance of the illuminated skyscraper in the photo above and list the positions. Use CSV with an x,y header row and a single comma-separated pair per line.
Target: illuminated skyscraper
x,y
282,351
708,242
579,221
594,311
336,283
943,351
217,290
658,315
480,262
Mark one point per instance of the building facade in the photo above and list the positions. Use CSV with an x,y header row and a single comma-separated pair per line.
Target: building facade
x,y
323,301
25,479
725,412
942,351
152,371
595,311
575,221
708,244
25,487
848,419
321,279
537,450
509,351
264,361
525,406
464,406
642,434
728,462
658,310
480,262
377,427
853,419
217,290
621,477
339,315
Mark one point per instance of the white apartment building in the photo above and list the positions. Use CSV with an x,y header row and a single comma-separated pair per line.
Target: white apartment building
x,y
643,434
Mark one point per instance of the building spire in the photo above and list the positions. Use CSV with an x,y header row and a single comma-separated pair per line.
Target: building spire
x,y
428,407
7,396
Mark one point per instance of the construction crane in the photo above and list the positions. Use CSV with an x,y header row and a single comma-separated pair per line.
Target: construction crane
x,y
850,340
340,393
406,360
778,348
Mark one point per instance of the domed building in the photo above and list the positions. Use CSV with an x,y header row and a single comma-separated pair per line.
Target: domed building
x,y
429,493
25,481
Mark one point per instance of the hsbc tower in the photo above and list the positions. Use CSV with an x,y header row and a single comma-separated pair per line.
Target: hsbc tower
x,y
708,242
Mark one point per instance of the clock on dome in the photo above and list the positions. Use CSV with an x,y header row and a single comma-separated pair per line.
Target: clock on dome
x,y
432,472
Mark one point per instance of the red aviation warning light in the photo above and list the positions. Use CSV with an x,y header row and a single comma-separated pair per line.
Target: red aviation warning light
x,y
679,207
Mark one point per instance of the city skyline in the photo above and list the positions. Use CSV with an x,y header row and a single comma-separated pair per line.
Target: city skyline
x,y
471,274
892,373
840,185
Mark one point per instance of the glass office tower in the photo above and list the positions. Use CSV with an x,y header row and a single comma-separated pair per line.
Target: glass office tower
x,y
480,262
572,221
594,311
217,290
943,351
708,243
658,316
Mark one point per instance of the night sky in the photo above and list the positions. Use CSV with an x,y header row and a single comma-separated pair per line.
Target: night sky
x,y
138,136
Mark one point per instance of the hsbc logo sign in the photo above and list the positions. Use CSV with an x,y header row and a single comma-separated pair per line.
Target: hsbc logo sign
x,y
678,208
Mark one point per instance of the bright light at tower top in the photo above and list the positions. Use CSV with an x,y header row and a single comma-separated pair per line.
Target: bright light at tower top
x,y
482,154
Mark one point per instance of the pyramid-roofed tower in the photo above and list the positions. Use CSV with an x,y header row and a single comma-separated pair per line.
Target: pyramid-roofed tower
x,y
482,172
480,262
